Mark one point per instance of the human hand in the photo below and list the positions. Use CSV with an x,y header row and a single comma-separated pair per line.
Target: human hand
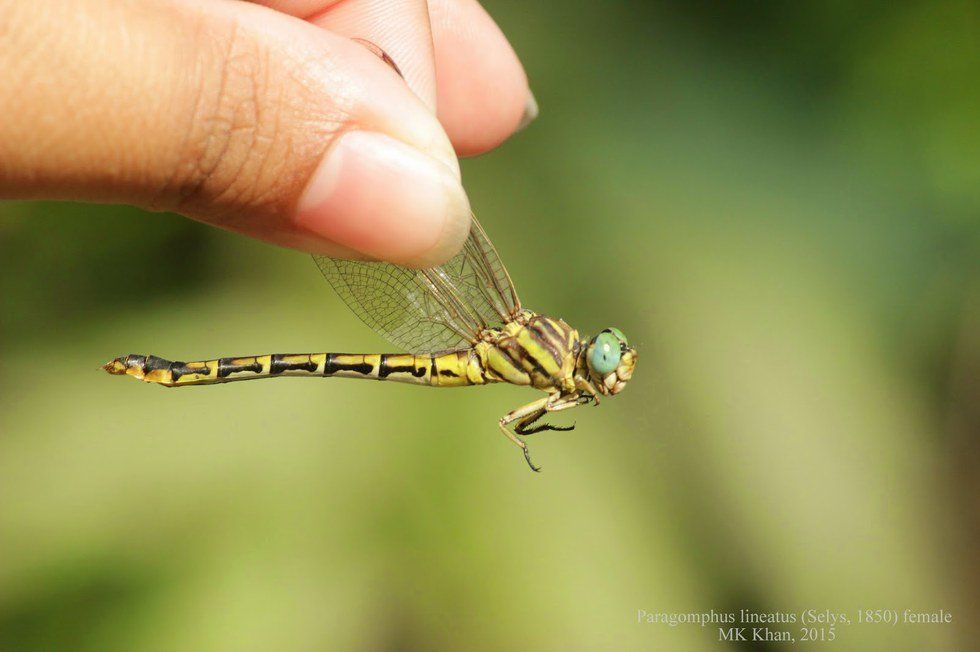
x,y
266,120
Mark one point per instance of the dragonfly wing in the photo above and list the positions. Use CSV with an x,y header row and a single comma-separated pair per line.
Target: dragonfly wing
x,y
427,310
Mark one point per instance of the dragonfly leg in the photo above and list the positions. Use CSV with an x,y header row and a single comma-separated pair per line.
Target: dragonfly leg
x,y
589,391
520,414
556,403
523,428
567,402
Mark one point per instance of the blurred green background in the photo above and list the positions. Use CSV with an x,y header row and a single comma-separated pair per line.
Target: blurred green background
x,y
779,203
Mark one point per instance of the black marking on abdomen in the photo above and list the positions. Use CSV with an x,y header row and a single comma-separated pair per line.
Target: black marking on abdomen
x,y
332,367
153,363
178,369
226,367
448,372
133,360
385,369
278,365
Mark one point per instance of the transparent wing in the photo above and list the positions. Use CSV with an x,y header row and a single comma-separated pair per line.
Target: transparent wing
x,y
428,310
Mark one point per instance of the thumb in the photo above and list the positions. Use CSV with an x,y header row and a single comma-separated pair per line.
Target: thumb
x,y
232,114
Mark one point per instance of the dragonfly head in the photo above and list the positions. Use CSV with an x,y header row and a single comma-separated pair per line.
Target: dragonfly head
x,y
610,361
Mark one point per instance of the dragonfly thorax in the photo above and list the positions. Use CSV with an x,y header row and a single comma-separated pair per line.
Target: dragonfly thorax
x,y
532,350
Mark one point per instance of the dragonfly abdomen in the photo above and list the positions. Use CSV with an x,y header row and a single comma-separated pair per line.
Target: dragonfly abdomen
x,y
451,369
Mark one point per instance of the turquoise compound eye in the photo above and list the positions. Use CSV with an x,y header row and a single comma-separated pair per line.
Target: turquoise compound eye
x,y
618,333
605,354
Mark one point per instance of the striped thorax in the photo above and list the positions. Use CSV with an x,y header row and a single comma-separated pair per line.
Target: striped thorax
x,y
532,350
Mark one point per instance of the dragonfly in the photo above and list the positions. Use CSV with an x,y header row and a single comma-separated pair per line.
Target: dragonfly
x,y
458,324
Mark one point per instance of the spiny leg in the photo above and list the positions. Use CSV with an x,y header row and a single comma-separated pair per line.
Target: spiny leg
x,y
556,403
523,429
519,414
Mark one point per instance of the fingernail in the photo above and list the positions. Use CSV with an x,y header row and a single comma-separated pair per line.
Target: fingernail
x,y
387,200
530,112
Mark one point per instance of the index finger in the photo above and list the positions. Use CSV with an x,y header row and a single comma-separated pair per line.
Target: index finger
x,y
482,89
399,27
457,61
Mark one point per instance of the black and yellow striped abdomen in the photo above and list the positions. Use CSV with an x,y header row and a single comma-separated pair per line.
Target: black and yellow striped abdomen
x,y
453,369
532,350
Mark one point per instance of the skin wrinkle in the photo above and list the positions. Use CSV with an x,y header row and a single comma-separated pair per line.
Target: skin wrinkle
x,y
195,157
275,129
160,200
323,127
313,73
247,125
244,132
220,126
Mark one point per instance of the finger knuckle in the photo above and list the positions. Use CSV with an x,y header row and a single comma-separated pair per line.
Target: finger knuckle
x,y
234,137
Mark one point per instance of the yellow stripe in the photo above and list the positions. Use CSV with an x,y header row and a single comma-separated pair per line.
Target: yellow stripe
x,y
474,369
156,376
422,362
451,370
298,358
499,364
321,360
266,362
539,353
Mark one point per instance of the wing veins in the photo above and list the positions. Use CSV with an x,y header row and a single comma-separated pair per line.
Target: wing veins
x,y
437,309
